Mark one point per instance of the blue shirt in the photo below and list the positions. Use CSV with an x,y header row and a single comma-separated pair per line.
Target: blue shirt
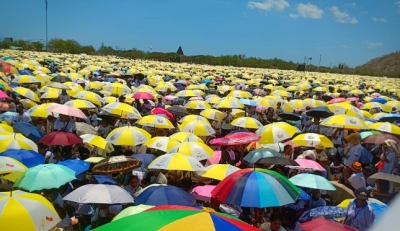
x,y
319,203
360,218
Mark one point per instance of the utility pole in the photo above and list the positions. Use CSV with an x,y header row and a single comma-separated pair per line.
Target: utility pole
x,y
46,27
319,63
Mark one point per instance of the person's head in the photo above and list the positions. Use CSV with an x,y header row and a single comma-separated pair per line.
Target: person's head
x,y
356,167
20,109
319,148
276,221
288,150
63,92
134,181
317,120
315,194
63,117
390,145
362,195
42,148
57,151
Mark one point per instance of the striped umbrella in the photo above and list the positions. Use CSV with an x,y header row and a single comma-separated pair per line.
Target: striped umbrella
x,y
190,118
185,137
228,102
200,151
218,171
79,103
344,121
27,93
128,135
25,79
8,165
247,122
212,114
176,161
386,127
197,104
199,128
40,110
16,141
155,121
90,96
162,143
312,139
258,188
276,132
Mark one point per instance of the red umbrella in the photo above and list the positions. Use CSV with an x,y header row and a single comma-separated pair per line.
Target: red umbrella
x,y
239,138
337,100
61,138
325,225
142,95
160,111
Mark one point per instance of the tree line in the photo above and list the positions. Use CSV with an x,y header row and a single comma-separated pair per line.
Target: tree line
x,y
73,47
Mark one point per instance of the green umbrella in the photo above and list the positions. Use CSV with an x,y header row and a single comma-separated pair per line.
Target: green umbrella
x,y
45,176
368,133
132,210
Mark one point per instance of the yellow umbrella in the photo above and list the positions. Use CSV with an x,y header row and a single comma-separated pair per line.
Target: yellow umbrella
x,y
16,141
155,121
388,107
218,171
162,143
176,161
50,95
213,100
349,110
128,135
281,93
198,150
386,127
298,103
186,136
94,140
26,211
14,176
228,102
371,105
117,89
8,165
94,159
344,121
247,122
27,103
187,93
190,118
199,128
25,79
314,103
80,103
276,132
118,109
89,96
240,94
40,110
110,99
6,128
212,114
197,104
27,93
312,139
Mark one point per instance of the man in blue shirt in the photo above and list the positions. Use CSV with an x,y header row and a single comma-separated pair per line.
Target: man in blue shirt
x,y
316,200
359,213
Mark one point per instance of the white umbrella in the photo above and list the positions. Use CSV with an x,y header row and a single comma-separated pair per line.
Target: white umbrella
x,y
99,194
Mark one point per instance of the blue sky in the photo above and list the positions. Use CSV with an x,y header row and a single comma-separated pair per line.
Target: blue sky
x,y
352,32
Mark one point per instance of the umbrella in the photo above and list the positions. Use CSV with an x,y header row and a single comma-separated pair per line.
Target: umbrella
x,y
198,128
146,159
379,100
305,164
59,86
26,211
80,103
78,166
45,176
142,95
277,161
324,211
341,193
84,128
312,139
162,143
186,136
94,140
155,121
218,171
159,194
41,110
276,132
16,141
255,155
228,102
386,127
390,118
116,164
368,133
8,116
99,194
197,104
380,138
325,225
190,118
337,100
3,95
8,165
383,176
28,130
160,111
27,93
104,179
256,188
176,162
178,111
344,121
132,210
247,122
312,181
27,157
289,116
61,138
174,217
66,110
131,136
203,193
248,102
239,138
61,79
319,112
200,151
212,114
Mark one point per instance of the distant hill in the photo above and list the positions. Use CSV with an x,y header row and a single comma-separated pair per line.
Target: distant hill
x,y
389,63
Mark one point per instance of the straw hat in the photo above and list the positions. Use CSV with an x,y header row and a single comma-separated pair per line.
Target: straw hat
x,y
352,138
356,167
319,147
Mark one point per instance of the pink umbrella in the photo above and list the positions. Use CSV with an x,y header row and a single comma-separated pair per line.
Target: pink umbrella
x,y
169,97
240,138
67,110
353,99
305,164
4,106
261,108
336,100
142,95
203,193
215,158
196,98
3,95
325,225
160,111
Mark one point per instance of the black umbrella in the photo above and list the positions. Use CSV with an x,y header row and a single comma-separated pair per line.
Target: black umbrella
x,y
277,161
178,111
289,116
320,112
61,79
327,98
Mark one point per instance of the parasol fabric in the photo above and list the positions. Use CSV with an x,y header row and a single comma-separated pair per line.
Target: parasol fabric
x,y
116,164
61,138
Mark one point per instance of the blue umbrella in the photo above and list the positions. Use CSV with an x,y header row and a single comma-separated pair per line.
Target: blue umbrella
x,y
379,100
248,102
206,81
390,118
329,212
378,209
103,179
146,159
78,166
111,80
8,116
303,195
27,157
255,155
29,130
25,72
164,195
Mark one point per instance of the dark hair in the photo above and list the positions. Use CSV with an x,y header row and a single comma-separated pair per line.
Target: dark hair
x,y
286,147
56,149
133,177
60,210
275,217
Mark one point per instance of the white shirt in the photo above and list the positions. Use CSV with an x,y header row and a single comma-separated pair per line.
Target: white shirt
x,y
69,125
25,117
226,124
357,180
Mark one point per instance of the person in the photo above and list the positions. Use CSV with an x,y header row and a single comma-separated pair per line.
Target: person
x,y
159,103
316,200
64,97
274,224
104,129
226,122
55,156
359,214
351,156
319,152
389,156
22,116
357,179
288,152
65,124
65,224
134,185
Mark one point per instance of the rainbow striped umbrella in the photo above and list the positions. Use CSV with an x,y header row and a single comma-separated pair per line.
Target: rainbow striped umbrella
x,y
258,188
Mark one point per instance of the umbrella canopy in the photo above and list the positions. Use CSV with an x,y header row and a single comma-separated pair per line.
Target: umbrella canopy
x,y
28,158
312,181
344,121
256,188
247,122
176,162
155,121
146,159
84,128
99,194
324,211
104,179
78,166
325,225
94,140
132,210
26,211
305,164
80,103
200,151
8,165
185,137
178,111
198,128
390,118
276,132
142,95
61,138
45,176
386,127
16,141
289,116
66,110
128,135
159,194
116,164
255,155
312,139
173,217
202,193
29,131
239,138
212,114
341,193
218,171
380,138
383,176
160,111
58,85
162,143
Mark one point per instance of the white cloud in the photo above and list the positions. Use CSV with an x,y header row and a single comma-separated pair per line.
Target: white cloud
x,y
268,5
398,6
372,45
351,4
344,46
341,16
378,19
307,11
